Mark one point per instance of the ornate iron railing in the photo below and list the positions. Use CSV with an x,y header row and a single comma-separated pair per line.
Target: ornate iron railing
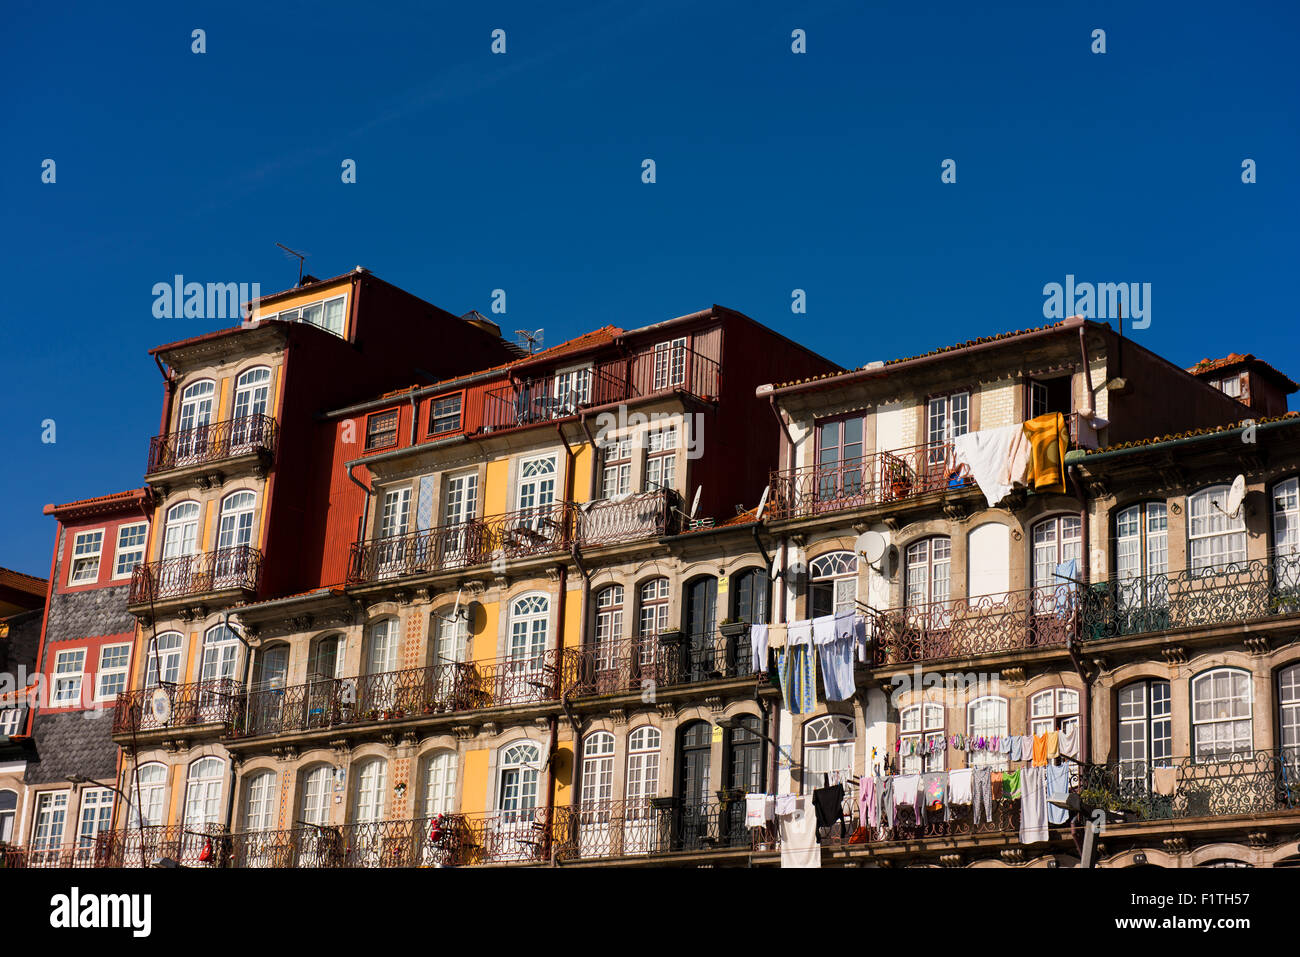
x,y
644,828
1044,617
214,701
238,567
411,693
1224,594
205,845
614,522
875,479
1247,783
92,853
213,442
529,401
537,531
633,664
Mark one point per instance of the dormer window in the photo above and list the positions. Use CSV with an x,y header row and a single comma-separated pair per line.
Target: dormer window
x,y
327,314
381,430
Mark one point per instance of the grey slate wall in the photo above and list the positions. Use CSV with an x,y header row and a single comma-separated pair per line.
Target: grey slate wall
x,y
69,743
90,614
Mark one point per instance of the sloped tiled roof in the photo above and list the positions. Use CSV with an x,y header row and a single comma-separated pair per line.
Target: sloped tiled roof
x,y
1206,366
20,581
1189,434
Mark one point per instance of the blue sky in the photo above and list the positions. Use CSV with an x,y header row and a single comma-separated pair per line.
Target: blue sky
x,y
522,171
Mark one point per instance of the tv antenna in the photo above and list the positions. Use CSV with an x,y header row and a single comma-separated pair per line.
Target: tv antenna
x,y
300,256
530,338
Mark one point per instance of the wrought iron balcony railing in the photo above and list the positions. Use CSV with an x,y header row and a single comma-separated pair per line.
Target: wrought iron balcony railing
x,y
644,373
1224,594
1244,783
1032,618
86,853
214,442
878,478
647,827
235,568
545,530
396,695
204,845
214,701
616,667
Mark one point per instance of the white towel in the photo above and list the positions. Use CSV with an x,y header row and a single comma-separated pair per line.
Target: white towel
x,y
755,805
959,786
823,630
1033,805
985,453
799,633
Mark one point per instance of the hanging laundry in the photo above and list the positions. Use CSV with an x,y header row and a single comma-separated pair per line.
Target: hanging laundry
x,y
868,808
1069,741
907,789
982,792
934,789
784,804
985,453
828,802
758,647
1017,468
756,808
799,633
959,786
846,624
1004,744
1048,441
885,800
1164,781
1053,745
1033,805
1058,789
776,635
1011,785
798,676
823,629
1027,747
1015,752
799,847
837,669
1040,750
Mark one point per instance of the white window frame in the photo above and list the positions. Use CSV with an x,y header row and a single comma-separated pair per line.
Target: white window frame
x,y
1214,526
77,557
1213,755
103,671
58,697
670,364
1050,710
9,721
296,314
922,722
987,759
122,551
94,817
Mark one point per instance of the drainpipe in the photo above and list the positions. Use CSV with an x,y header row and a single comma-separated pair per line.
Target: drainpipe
x,y
225,847
1087,370
365,507
169,392
789,442
415,418
1085,711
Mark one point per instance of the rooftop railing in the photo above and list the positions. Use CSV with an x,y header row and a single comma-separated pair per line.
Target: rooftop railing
x,y
878,478
238,567
213,442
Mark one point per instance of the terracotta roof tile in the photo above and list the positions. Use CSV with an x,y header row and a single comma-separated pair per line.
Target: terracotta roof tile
x,y
23,582
1206,366
1190,433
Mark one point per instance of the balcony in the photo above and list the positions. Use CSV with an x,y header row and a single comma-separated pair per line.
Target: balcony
x,y
234,570
200,846
1225,594
404,695
654,826
880,478
1026,620
86,853
252,436
211,702
675,658
524,534
645,373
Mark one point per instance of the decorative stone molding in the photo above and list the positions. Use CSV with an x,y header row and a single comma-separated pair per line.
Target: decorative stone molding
x,y
891,522
1175,845
553,573
715,703
1257,644
463,732
667,710
1174,654
1015,674
542,724
423,594
1013,855
1098,487
618,716
950,860
490,727
389,738
302,622
501,582
955,511
1100,663
340,746
1258,839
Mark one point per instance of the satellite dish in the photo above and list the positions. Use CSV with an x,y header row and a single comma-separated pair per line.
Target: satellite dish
x,y
160,705
762,504
871,546
1236,495
695,505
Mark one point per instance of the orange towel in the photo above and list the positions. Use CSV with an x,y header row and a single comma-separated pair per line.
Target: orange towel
x,y
1048,441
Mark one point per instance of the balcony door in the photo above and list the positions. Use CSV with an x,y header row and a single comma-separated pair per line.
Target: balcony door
x,y
744,753
534,529
642,785
232,564
195,419
693,772
525,678
324,671
180,544
394,521
218,673
460,507
595,806
840,464
514,836
252,399
701,626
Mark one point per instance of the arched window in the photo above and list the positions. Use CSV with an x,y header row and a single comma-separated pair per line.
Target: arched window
x,y
751,596
370,785
271,671
652,618
529,622
1288,703
1286,535
927,576
326,658
832,583
744,751
986,717
1057,540
597,769
164,662
8,812
149,794
260,801
220,655
1142,559
828,745
1145,731
1053,710
609,630
451,644
381,649
921,730
236,528
252,392
314,805
181,530
639,823
203,788
1225,862
438,778
191,436
1216,540
517,781
1221,715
